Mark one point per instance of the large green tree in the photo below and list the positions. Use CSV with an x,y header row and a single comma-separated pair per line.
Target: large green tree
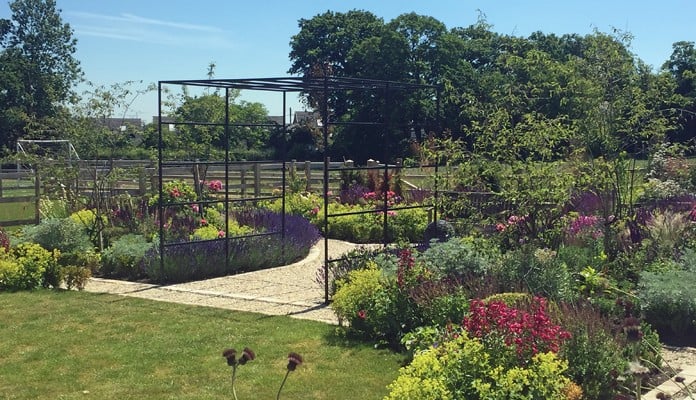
x,y
682,67
540,97
38,69
198,139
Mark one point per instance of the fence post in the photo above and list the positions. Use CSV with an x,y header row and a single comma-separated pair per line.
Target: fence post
x,y
197,184
37,194
292,174
308,175
0,184
242,178
142,182
257,180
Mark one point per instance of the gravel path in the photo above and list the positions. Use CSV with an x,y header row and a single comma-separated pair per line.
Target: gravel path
x,y
288,290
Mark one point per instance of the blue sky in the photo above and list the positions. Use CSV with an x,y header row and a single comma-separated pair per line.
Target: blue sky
x,y
153,40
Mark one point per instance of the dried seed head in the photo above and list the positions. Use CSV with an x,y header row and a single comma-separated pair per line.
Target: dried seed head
x,y
247,355
294,360
230,355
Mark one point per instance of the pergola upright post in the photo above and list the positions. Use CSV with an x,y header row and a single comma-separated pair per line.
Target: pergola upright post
x,y
327,164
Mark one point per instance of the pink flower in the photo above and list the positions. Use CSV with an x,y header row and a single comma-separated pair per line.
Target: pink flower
x,y
195,208
315,211
215,186
204,222
221,234
391,213
362,314
175,192
499,227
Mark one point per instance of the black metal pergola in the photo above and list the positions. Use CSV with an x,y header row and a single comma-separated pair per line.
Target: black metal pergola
x,y
317,87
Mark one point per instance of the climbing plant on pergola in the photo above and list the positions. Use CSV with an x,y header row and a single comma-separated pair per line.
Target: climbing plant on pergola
x,y
318,88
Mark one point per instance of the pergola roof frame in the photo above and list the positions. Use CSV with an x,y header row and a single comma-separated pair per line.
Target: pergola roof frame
x,y
301,84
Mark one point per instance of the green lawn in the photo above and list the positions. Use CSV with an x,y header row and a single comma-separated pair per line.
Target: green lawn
x,y
77,345
24,210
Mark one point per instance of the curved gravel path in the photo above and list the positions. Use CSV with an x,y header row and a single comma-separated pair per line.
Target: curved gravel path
x,y
289,290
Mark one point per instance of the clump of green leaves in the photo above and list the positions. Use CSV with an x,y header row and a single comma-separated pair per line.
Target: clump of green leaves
x,y
63,234
463,368
28,266
124,258
668,300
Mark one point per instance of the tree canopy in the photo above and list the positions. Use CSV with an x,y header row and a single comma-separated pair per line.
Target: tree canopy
x,y
38,69
539,97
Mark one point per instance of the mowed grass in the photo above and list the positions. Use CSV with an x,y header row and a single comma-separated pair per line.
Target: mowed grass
x,y
77,345
17,211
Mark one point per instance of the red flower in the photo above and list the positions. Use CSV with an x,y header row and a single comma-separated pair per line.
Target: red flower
x,y
362,314
204,222
528,332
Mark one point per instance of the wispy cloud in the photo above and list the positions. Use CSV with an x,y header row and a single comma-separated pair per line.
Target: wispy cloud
x,y
148,30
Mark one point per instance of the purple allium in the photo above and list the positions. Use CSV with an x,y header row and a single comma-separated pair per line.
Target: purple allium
x,y
294,360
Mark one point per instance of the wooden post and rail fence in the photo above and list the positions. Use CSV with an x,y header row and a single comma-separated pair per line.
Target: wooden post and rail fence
x,y
21,189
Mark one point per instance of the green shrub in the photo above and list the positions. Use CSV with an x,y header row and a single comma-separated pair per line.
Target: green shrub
x,y
125,257
668,301
10,273
28,266
76,277
456,257
64,234
462,368
214,217
207,232
356,228
423,379
406,225
424,337
539,271
355,295
374,307
595,357
446,302
53,209
87,219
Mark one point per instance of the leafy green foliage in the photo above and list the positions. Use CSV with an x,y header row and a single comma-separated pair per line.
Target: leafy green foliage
x,y
463,368
65,235
124,258
39,68
594,354
356,294
76,277
668,301
457,257
539,271
26,266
